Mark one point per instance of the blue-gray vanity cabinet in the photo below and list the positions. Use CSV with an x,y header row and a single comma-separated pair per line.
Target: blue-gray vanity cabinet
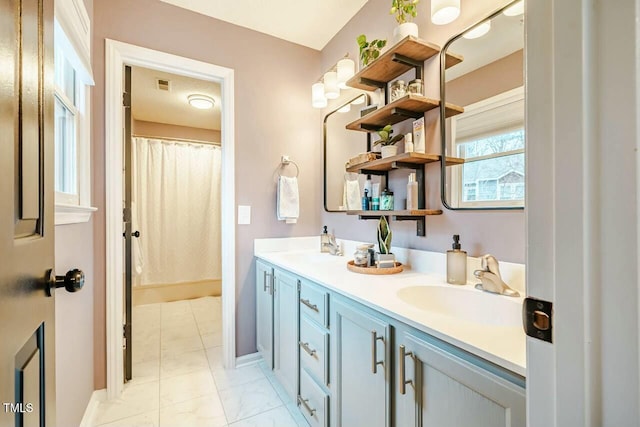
x,y
435,387
285,331
264,311
360,366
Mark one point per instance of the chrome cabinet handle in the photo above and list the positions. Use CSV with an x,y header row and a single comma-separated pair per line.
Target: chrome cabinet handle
x,y
304,403
308,304
269,287
305,347
374,352
403,381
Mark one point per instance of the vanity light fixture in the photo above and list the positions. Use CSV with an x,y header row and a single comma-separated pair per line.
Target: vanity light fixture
x,y
478,31
444,11
346,70
331,89
318,99
201,102
515,10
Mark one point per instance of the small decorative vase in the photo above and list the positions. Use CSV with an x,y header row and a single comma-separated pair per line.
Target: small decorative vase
x,y
404,30
385,260
389,151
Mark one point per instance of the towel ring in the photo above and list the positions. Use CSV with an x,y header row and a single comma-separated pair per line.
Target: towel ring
x,y
287,162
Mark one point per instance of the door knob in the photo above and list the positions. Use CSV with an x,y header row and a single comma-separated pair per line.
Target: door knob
x,y
73,281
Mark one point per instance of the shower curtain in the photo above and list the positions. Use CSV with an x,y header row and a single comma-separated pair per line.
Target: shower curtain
x,y
176,207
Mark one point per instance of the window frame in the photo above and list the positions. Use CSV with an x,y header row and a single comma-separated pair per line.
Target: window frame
x,y
457,183
72,30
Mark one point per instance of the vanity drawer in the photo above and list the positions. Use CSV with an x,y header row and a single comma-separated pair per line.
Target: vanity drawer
x,y
313,402
314,345
314,302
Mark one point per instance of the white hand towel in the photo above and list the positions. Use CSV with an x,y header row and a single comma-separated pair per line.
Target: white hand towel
x,y
288,202
352,190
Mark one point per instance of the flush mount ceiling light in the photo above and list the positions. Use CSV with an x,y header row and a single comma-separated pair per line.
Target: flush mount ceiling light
x,y
478,31
201,102
346,70
318,99
515,10
444,11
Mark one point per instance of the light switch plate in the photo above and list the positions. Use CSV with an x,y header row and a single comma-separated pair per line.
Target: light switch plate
x,y
244,215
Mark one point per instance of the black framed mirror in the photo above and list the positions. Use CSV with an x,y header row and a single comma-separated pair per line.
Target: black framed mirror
x,y
339,145
489,135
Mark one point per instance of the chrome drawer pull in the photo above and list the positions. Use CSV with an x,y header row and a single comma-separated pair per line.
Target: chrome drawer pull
x,y
305,347
374,352
308,304
403,380
304,403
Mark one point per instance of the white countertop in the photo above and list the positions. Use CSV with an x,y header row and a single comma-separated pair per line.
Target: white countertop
x,y
502,345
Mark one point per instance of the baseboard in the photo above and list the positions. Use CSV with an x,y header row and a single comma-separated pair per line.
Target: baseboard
x,y
152,294
248,359
92,407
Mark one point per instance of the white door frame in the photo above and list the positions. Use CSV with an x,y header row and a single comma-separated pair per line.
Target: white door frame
x,y
117,55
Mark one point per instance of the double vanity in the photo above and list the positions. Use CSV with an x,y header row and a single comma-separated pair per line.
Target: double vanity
x,y
392,350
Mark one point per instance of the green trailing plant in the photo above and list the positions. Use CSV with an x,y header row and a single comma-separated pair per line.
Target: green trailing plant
x,y
384,236
405,10
369,50
386,137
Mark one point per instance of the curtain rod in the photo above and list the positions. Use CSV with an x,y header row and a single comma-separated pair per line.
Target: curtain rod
x,y
177,139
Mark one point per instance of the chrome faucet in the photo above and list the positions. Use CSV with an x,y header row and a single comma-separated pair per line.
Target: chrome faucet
x,y
490,278
334,248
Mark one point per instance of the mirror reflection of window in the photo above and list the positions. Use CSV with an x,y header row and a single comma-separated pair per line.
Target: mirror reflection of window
x,y
489,135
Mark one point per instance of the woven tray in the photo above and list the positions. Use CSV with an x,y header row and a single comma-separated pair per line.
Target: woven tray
x,y
375,270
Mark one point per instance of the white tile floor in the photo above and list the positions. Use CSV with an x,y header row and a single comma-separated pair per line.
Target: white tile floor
x,y
178,378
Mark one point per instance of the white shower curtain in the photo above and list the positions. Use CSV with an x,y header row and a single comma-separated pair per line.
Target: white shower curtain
x,y
176,207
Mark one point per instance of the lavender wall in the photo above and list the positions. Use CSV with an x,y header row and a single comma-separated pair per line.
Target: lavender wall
x,y
501,233
273,117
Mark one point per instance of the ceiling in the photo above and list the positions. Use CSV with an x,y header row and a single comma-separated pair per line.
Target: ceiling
x,y
311,23
148,103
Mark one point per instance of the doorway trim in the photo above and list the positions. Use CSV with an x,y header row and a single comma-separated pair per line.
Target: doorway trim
x,y
117,55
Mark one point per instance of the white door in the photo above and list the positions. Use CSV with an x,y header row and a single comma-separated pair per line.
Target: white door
x,y
582,211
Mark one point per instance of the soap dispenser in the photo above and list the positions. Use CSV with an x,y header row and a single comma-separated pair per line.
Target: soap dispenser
x,y
456,263
324,240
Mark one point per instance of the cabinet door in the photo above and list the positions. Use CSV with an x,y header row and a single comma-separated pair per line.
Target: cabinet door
x,y
264,312
360,355
447,391
285,331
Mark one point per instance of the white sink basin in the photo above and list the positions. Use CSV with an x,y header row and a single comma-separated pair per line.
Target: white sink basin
x,y
465,303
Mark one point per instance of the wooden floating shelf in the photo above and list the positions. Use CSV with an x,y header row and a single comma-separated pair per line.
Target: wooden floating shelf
x,y
385,68
390,163
410,106
414,212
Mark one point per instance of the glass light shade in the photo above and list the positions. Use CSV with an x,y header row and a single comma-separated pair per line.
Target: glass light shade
x,y
345,109
331,89
201,102
317,96
515,10
478,31
444,11
346,70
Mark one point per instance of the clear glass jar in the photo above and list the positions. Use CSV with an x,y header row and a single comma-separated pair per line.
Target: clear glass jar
x,y
398,90
416,87
361,256
386,200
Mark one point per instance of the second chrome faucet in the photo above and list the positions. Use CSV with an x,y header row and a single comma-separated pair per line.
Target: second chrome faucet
x,y
491,279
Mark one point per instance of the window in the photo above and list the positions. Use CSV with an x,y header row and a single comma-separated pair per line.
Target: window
x,y
490,137
72,78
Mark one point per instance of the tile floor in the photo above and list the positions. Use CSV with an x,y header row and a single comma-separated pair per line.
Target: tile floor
x,y
178,378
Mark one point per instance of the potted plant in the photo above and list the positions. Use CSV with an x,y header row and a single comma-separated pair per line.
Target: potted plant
x,y
387,141
405,11
385,257
369,50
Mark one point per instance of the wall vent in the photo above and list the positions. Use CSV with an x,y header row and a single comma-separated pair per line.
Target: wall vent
x,y
163,84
